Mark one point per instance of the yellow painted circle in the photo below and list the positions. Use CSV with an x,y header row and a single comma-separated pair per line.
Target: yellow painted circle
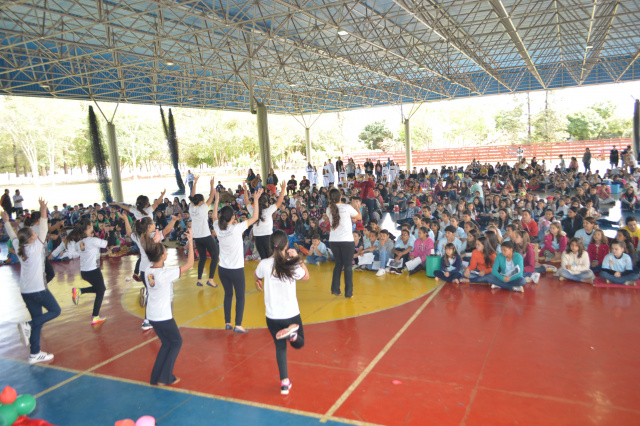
x,y
202,307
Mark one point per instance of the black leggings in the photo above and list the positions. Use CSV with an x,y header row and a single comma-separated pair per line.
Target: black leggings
x,y
97,286
343,252
48,270
233,279
276,325
168,333
204,245
136,270
263,246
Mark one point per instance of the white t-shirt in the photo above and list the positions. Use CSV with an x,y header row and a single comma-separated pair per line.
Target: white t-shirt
x,y
144,260
231,245
200,220
160,289
264,227
17,201
344,231
32,279
136,213
88,249
279,295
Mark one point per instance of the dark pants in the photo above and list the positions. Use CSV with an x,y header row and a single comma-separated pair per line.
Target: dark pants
x,y
35,302
233,279
204,245
136,270
168,333
275,325
343,252
371,206
48,270
587,166
263,246
97,286
144,281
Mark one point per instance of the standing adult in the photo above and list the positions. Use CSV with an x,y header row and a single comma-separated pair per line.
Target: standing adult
x,y
203,241
263,228
309,171
189,180
339,168
231,269
614,157
341,240
5,202
368,167
17,203
586,160
351,169
325,175
332,172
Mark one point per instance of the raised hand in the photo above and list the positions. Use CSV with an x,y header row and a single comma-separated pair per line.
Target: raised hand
x,y
43,203
176,217
157,237
189,235
213,181
292,252
259,192
5,217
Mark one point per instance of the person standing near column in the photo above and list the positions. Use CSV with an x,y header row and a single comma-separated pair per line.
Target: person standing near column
x,y
204,242
309,171
5,202
586,160
332,172
31,251
231,269
341,241
614,158
340,169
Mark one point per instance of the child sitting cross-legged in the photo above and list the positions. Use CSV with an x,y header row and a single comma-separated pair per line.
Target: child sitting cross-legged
x,y
507,269
575,263
450,265
617,267
317,252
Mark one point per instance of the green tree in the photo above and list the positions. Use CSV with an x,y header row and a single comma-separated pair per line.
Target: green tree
x,y
374,134
585,125
548,126
510,121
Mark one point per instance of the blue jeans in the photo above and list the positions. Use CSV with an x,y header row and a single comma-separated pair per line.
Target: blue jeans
x,y
453,275
35,302
626,276
383,256
538,269
315,260
586,275
507,285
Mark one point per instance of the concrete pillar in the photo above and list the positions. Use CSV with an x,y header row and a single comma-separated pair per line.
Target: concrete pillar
x,y
307,136
407,143
263,141
636,128
114,162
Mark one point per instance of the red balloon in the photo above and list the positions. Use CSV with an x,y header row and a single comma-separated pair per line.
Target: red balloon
x,y
8,395
126,422
26,421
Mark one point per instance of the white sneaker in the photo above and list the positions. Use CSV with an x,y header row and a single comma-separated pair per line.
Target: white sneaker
x,y
495,286
41,357
146,325
535,277
380,272
25,332
519,288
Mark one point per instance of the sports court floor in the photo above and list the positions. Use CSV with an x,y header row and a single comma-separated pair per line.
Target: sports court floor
x,y
403,351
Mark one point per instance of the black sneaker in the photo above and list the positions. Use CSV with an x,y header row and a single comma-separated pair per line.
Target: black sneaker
x,y
416,270
285,385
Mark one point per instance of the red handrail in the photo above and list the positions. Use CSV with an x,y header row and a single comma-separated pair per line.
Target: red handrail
x,y
493,153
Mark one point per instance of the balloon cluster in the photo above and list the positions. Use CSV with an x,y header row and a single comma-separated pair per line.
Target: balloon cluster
x,y
12,406
142,421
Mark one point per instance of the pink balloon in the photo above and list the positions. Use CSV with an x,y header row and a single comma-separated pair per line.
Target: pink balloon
x,y
146,421
125,422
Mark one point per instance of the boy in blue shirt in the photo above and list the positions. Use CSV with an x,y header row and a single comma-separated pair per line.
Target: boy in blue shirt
x,y
617,266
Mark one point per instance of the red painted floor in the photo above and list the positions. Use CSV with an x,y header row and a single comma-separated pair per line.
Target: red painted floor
x,y
559,354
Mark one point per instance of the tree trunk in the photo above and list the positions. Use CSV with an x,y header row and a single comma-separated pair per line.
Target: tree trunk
x,y
15,160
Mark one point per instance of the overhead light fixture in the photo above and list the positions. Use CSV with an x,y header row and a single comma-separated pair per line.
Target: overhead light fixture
x,y
292,85
169,62
44,85
342,32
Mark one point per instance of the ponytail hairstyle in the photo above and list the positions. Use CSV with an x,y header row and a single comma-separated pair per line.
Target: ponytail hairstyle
x,y
283,266
224,217
142,202
334,199
196,199
79,231
35,216
23,238
263,203
140,226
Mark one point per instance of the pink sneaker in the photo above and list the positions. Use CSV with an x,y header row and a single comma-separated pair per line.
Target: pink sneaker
x,y
286,332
